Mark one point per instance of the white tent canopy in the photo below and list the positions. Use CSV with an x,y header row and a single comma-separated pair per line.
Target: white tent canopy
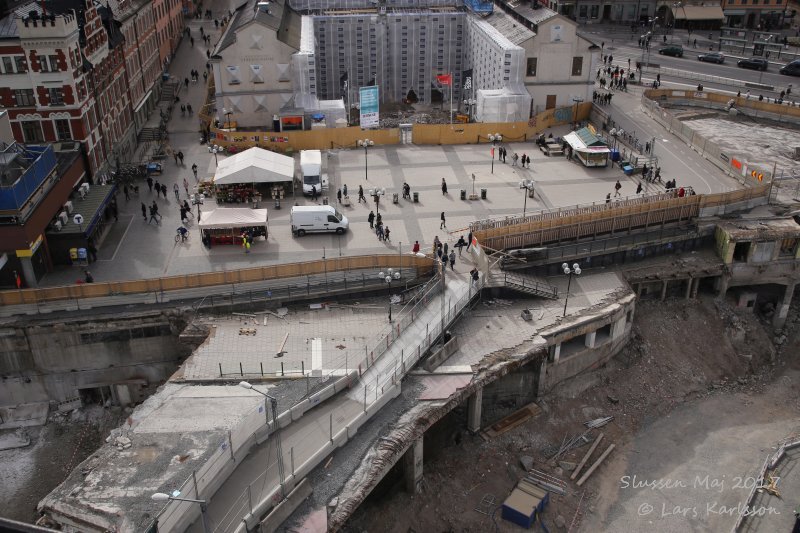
x,y
255,165
233,217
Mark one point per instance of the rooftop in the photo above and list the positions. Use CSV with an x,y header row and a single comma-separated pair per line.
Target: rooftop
x,y
512,30
277,16
761,229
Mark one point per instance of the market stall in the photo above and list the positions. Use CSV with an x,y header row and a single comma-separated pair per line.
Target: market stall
x,y
587,147
249,176
227,225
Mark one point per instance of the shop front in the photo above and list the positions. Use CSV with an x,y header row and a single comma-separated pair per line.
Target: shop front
x,y
231,225
587,148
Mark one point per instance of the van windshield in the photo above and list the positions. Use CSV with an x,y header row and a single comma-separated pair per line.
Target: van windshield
x,y
311,180
337,214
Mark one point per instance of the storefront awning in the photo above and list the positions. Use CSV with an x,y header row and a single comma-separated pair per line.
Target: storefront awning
x,y
255,165
233,217
698,13
735,12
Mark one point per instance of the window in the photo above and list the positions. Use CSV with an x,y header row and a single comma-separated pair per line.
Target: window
x,y
531,70
577,66
20,62
594,11
45,66
53,63
56,96
8,65
32,131
24,97
63,132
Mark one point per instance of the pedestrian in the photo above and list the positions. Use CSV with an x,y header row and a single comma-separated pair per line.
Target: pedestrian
x,y
191,40
378,219
125,192
415,249
114,209
386,233
186,82
452,259
695,43
183,215
183,110
153,214
747,96
380,232
443,224
194,171
88,278
144,212
526,161
339,195
639,188
361,194
164,190
175,155
439,251
514,159
314,192
469,240
371,220
505,153
608,198
205,73
445,249
475,275
180,154
188,110
177,191
150,183
444,187
460,244
158,188
647,147
344,190
644,169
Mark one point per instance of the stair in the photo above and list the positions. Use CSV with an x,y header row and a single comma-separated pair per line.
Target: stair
x,y
150,134
523,283
168,91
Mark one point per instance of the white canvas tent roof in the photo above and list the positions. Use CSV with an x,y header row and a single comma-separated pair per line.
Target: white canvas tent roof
x,y
233,217
255,165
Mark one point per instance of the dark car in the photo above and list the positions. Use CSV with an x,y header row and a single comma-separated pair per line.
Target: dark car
x,y
755,63
674,51
712,57
791,69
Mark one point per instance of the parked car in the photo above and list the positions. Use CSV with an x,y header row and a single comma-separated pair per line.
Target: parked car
x,y
791,69
755,63
672,50
712,57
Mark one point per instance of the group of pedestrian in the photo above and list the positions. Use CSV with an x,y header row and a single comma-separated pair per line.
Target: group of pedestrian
x,y
341,193
441,252
159,188
178,157
247,240
155,216
601,98
501,154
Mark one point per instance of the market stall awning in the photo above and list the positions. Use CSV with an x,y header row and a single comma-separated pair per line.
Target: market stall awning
x,y
255,165
585,141
698,13
233,217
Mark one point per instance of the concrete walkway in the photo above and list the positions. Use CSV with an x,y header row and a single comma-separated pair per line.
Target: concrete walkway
x,y
311,438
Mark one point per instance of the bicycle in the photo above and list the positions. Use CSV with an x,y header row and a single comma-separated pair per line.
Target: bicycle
x,y
181,236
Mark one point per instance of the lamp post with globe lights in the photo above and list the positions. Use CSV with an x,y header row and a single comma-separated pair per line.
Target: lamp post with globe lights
x,y
576,271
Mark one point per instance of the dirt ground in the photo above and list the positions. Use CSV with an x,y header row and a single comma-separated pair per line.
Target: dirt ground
x,y
28,474
693,370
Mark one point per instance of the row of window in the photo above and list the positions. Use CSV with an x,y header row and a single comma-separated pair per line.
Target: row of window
x,y
577,66
755,2
32,130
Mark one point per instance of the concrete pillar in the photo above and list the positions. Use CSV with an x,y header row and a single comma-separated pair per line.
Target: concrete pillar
x,y
618,328
556,352
474,405
695,287
722,286
782,310
28,273
664,290
689,283
590,338
412,466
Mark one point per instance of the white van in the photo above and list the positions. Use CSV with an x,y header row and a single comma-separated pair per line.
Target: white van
x,y
317,218
311,170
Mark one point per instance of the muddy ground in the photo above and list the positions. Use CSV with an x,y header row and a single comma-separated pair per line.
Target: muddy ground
x,y
693,372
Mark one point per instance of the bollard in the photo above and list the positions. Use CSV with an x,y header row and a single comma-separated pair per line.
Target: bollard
x,y
220,370
262,368
282,372
303,367
240,369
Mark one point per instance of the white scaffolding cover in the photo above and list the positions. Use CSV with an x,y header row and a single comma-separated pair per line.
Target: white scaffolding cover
x,y
502,105
233,217
255,165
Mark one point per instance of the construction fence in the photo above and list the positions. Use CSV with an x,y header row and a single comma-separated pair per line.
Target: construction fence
x,y
421,134
422,265
733,163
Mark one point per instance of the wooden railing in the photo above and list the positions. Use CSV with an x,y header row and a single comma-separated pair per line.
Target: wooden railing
x,y
210,279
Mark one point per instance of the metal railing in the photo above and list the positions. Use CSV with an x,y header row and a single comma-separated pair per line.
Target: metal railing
x,y
524,283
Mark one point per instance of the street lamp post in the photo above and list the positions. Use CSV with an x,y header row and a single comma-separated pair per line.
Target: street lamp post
x,y
162,497
527,185
366,143
575,270
377,195
389,276
214,149
227,113
495,138
274,403
470,103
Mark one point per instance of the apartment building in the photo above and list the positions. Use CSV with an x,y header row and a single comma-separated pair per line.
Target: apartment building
x,y
765,15
597,11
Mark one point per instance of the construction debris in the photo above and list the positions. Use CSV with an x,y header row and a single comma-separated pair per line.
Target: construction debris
x,y
513,420
586,457
569,444
487,505
281,350
597,463
598,422
247,331
547,482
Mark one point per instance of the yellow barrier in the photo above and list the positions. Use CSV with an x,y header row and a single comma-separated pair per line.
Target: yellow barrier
x,y
423,265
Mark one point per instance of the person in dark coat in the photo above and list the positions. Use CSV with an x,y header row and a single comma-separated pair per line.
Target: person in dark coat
x,y
144,212
371,220
444,187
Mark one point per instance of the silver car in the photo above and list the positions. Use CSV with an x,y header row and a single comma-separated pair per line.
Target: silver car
x,y
712,57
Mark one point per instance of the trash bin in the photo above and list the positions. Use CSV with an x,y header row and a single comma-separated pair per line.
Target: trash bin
x,y
395,198
277,203
416,197
530,192
324,200
483,194
463,194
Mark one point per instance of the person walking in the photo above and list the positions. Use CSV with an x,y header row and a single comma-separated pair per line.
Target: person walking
x,y
339,195
144,212
194,171
186,82
469,240
164,190
515,158
414,249
186,186
344,190
639,188
378,219
446,248
444,187
361,194
439,251
158,188
183,110
443,224
617,187
188,110
177,191
153,214
150,183
452,259
371,220
125,192
608,198
460,244
379,232
180,154
386,233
